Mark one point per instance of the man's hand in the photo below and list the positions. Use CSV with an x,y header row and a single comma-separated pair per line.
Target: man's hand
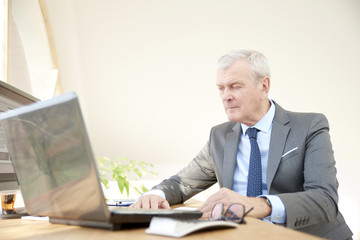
x,y
227,197
151,201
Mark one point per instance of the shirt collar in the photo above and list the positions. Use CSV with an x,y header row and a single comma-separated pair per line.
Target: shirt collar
x,y
265,123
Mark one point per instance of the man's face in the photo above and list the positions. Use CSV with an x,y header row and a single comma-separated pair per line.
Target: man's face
x,y
244,100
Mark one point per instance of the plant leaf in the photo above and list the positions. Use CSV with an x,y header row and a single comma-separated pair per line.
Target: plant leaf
x,y
122,170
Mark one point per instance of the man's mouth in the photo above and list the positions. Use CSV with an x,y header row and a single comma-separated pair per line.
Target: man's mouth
x,y
230,108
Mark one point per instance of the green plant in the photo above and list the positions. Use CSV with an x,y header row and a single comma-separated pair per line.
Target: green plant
x,y
122,170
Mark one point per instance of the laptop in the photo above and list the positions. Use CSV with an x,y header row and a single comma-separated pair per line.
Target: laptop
x,y
56,169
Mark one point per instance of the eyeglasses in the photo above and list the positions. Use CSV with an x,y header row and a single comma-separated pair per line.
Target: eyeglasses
x,y
234,213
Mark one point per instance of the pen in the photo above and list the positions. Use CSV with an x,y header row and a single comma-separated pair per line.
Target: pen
x,y
120,203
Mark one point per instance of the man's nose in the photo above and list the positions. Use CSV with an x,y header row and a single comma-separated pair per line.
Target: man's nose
x,y
226,95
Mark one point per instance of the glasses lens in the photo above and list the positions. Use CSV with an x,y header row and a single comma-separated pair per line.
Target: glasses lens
x,y
235,212
217,212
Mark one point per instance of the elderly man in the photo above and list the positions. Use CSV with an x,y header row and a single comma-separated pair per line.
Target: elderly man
x,y
279,162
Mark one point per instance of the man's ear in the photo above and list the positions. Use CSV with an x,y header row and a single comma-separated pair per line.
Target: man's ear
x,y
265,85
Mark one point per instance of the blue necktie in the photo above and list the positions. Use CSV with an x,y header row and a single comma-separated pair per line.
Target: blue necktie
x,y
254,187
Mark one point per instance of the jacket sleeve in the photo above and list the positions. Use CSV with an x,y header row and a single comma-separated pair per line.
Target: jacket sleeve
x,y
197,176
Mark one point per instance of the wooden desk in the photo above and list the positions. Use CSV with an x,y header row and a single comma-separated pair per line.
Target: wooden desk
x,y
253,229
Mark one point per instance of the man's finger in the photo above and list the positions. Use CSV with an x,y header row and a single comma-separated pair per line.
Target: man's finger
x,y
164,204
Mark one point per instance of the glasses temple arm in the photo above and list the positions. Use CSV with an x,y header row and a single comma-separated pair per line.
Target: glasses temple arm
x,y
248,211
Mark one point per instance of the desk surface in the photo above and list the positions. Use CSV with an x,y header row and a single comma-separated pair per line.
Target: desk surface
x,y
253,229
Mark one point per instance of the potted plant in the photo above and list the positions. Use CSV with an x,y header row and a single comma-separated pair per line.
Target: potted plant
x,y
123,171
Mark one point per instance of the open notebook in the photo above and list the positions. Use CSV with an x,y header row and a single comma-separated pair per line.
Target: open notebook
x,y
181,227
56,169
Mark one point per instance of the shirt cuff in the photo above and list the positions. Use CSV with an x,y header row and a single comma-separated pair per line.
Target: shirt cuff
x,y
155,192
278,213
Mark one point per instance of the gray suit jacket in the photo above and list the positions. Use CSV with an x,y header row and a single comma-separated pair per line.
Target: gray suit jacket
x,y
304,179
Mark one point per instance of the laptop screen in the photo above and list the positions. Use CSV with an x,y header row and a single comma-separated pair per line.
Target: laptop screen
x,y
51,153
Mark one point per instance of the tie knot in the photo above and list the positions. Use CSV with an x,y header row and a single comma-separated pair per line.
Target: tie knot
x,y
252,132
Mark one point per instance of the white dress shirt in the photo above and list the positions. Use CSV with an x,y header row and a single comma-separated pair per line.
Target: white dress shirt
x,y
278,214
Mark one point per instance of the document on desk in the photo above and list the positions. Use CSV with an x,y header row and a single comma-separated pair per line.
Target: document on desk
x,y
35,218
178,228
186,208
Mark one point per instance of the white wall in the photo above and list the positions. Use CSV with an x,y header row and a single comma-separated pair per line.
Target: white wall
x,y
145,71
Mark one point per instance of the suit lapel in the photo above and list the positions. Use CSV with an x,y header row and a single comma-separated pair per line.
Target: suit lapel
x,y
230,151
279,135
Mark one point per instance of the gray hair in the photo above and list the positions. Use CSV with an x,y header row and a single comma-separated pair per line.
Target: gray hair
x,y
259,64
